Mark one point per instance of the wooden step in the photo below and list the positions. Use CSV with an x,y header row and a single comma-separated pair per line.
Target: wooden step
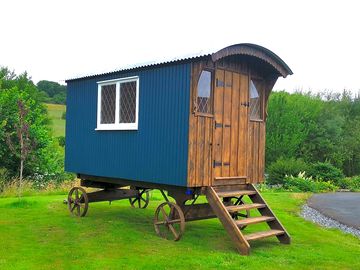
x,y
235,193
246,206
263,234
253,220
234,232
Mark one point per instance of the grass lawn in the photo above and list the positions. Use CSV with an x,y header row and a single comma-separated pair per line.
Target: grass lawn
x,y
55,113
38,233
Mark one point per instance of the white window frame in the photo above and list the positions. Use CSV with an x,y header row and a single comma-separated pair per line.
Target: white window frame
x,y
117,125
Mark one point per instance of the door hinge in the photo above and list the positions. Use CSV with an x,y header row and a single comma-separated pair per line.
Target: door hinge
x,y
246,104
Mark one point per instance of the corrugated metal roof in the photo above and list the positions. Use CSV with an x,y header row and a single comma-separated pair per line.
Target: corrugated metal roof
x,y
186,57
238,49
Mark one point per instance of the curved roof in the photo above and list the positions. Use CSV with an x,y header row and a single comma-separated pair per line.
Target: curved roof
x,y
238,49
255,51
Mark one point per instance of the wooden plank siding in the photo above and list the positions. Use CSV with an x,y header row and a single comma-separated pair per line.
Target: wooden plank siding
x,y
242,142
200,137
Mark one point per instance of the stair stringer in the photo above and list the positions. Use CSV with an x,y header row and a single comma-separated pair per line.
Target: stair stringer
x,y
242,245
266,211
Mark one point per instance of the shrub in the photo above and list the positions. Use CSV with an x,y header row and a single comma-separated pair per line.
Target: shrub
x,y
61,140
325,171
301,183
351,183
63,116
4,178
282,167
30,188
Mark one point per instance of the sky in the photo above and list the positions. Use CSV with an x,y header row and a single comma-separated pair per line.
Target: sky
x,y
60,39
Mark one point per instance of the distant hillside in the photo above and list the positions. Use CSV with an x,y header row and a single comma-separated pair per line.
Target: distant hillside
x,y
53,92
56,112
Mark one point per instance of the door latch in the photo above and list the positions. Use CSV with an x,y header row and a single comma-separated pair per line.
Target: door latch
x,y
218,125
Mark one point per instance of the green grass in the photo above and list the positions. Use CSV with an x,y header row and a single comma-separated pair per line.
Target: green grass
x,y
39,233
55,113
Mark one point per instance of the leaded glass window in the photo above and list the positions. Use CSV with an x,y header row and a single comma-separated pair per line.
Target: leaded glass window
x,y
128,102
203,101
255,101
108,101
118,102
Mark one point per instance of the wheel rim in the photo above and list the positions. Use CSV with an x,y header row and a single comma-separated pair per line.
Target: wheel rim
x,y
141,201
169,221
78,201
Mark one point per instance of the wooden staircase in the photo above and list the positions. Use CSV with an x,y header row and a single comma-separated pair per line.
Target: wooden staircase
x,y
219,200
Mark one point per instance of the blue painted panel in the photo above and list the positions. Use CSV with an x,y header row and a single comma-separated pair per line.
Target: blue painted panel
x,y
157,152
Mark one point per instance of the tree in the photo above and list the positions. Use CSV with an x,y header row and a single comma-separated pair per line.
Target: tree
x,y
45,157
55,91
22,147
321,128
292,117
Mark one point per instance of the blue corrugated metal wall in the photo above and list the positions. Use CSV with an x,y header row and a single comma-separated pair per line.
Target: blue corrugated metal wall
x,y
157,152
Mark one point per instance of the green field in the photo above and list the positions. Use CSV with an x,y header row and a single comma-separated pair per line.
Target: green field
x,y
38,233
55,113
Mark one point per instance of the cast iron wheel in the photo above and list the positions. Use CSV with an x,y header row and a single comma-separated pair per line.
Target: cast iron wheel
x,y
169,221
142,200
78,201
242,214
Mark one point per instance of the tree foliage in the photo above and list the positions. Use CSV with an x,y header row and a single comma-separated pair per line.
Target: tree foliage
x,y
45,156
52,92
321,128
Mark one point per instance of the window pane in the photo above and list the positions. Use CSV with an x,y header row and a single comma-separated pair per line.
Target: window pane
x,y
204,92
255,102
108,95
128,102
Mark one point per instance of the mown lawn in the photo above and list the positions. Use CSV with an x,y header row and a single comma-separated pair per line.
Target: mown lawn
x,y
39,233
55,113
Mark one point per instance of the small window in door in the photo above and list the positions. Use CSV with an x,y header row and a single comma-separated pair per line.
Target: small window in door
x,y
255,101
203,100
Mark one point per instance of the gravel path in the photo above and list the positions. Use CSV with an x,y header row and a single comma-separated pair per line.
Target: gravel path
x,y
315,216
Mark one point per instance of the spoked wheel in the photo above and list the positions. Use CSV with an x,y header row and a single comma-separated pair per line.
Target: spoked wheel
x,y
239,214
78,201
142,200
169,221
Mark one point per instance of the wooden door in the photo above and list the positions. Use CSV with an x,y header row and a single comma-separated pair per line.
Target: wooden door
x,y
230,127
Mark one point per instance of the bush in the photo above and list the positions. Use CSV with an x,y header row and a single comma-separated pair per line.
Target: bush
x,y
301,183
30,188
282,167
325,171
63,116
351,183
4,176
61,140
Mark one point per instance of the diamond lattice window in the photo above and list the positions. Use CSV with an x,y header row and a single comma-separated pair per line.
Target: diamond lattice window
x,y
255,102
108,98
203,101
118,104
127,102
